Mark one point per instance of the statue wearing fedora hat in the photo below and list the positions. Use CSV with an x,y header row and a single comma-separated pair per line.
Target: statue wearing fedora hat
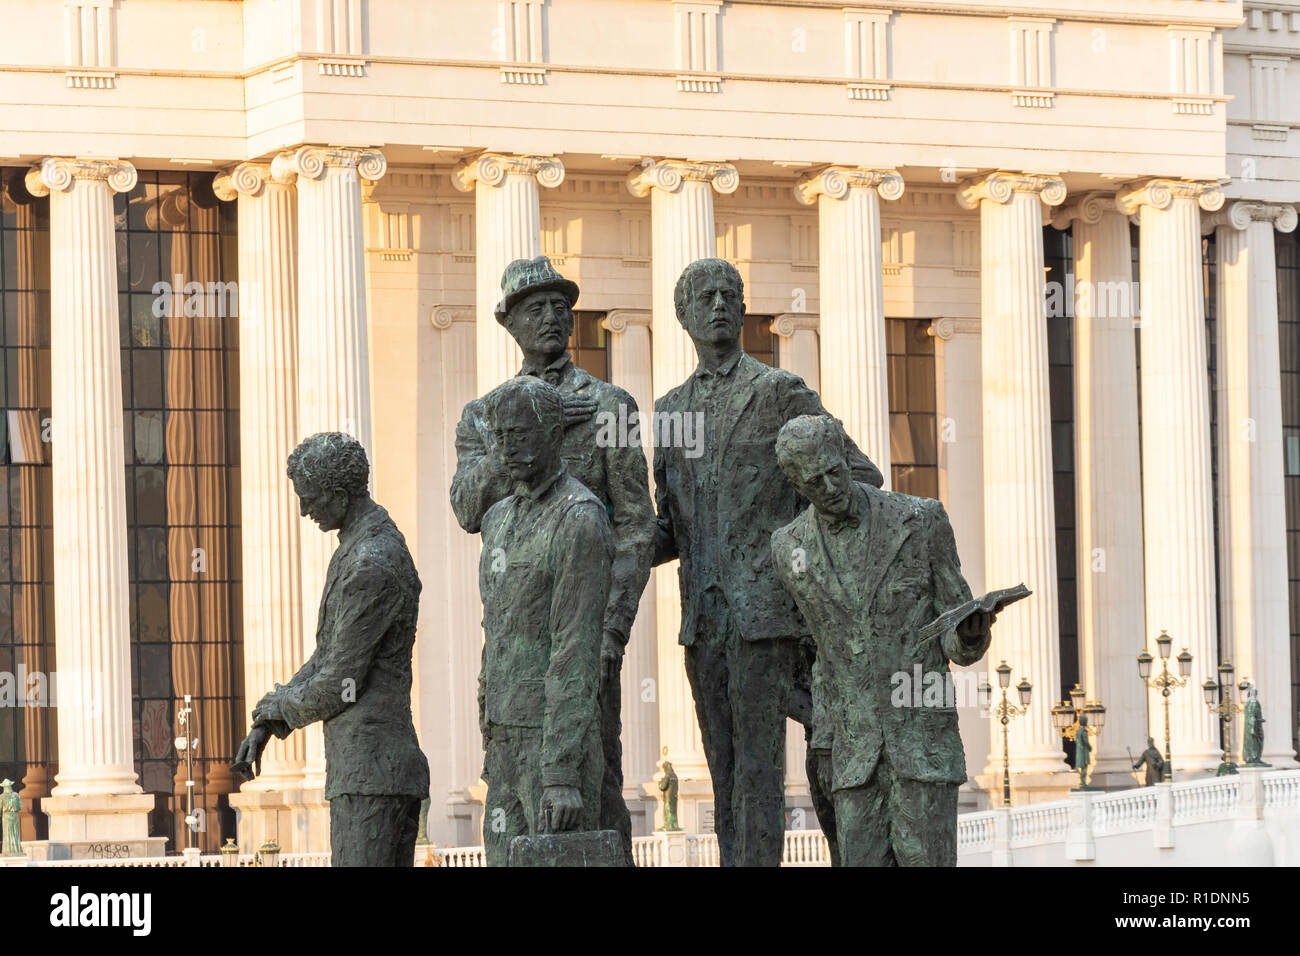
x,y
536,309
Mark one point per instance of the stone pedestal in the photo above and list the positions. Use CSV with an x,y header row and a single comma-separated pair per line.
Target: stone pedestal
x,y
1079,841
102,826
1250,844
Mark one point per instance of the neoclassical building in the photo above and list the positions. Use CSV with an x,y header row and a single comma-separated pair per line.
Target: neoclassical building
x,y
1038,255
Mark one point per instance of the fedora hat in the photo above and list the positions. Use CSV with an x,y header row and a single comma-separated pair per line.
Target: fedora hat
x,y
526,276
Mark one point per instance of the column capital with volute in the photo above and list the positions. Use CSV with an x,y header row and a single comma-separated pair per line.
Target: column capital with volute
x,y
619,320
1001,188
1240,214
58,173
836,181
1161,193
312,162
669,174
491,169
1088,209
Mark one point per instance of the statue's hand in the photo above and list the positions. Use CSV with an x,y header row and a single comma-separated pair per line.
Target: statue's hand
x,y
248,761
577,408
562,805
611,656
975,627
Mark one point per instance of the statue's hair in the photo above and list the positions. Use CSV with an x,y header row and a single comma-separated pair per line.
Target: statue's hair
x,y
545,400
682,291
805,435
332,461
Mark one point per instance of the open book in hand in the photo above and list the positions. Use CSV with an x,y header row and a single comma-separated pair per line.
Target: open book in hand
x,y
994,601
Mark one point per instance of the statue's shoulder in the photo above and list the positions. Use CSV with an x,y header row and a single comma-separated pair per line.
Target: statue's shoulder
x,y
671,398
607,394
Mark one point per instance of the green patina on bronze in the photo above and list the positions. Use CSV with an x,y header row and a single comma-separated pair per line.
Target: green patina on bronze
x,y
537,311
747,659
869,569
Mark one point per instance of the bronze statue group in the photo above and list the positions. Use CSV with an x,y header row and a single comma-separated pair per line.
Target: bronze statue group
x,y
804,586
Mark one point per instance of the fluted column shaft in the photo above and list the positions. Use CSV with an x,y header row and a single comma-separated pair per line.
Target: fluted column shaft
x,y
682,230
1252,518
1019,518
799,351
268,431
798,355
1108,489
629,366
333,353
507,226
854,370
91,597
1177,497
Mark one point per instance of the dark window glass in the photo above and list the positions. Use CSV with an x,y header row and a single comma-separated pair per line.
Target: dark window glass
x,y
913,435
589,344
1288,301
1058,255
181,354
758,339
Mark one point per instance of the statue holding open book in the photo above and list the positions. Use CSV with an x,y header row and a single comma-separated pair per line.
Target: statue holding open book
x,y
876,576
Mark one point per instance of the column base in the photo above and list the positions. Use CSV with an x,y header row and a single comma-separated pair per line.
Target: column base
x,y
110,826
1026,787
271,815
644,810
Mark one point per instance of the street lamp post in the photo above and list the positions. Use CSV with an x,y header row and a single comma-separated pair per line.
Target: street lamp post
x,y
1218,697
1079,721
1005,711
1166,682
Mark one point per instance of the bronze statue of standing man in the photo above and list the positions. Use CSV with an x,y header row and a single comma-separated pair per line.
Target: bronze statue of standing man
x,y
537,311
718,505
358,680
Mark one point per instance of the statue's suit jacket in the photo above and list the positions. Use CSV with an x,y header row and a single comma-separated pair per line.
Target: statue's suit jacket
x,y
865,623
358,680
717,511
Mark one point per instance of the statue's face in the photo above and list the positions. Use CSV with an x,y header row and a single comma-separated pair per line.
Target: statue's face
x,y
715,311
824,479
541,323
530,451
326,508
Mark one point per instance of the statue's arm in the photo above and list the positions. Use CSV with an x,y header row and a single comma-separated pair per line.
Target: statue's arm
x,y
635,530
802,400
481,479
665,543
372,598
950,587
580,556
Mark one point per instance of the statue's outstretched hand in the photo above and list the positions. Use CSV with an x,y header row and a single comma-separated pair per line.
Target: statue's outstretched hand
x,y
561,806
248,761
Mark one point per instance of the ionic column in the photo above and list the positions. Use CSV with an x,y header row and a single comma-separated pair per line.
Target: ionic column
x,y
855,381
799,351
1252,506
93,637
1108,489
268,383
629,366
1019,522
333,353
682,230
507,226
1177,493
